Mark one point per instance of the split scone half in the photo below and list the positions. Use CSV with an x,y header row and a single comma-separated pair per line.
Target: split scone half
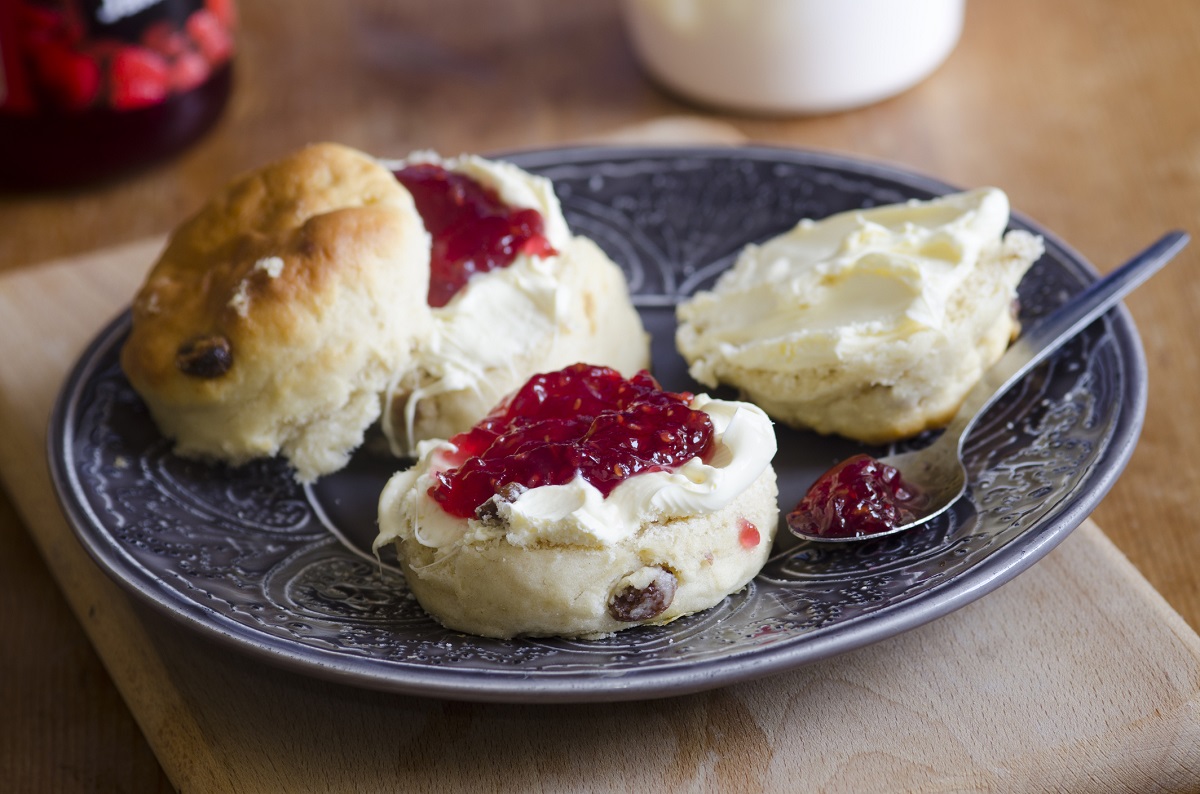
x,y
872,324
584,504
556,299
278,314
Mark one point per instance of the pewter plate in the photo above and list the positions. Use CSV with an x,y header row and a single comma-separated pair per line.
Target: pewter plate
x,y
255,562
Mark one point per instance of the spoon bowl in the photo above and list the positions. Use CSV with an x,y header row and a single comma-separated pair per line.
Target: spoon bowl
x,y
936,474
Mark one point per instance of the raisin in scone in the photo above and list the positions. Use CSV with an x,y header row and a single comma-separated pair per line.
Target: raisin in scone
x,y
512,292
584,504
280,312
872,324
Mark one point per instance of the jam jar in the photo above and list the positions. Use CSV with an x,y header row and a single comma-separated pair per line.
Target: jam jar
x,y
90,89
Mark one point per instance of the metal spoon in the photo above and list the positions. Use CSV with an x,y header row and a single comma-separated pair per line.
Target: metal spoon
x,y
937,471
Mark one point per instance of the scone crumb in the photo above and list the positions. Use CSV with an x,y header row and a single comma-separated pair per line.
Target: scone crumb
x,y
240,302
271,265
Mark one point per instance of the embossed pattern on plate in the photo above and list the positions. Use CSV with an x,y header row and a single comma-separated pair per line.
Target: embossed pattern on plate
x,y
251,559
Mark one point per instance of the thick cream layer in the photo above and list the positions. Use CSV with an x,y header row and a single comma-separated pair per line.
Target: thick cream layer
x,y
828,290
494,323
576,514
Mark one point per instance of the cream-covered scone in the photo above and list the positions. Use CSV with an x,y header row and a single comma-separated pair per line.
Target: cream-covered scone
x,y
556,303
505,531
872,324
279,313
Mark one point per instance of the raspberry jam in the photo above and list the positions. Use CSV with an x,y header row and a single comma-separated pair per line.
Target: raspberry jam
x,y
582,420
748,534
91,89
473,230
859,496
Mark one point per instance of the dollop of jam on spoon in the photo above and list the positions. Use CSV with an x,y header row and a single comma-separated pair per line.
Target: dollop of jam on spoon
x,y
859,496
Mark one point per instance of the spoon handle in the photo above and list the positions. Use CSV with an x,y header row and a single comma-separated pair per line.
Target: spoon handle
x,y
1049,333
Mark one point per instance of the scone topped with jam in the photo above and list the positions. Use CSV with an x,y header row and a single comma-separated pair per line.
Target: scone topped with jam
x,y
512,292
583,504
872,324
279,313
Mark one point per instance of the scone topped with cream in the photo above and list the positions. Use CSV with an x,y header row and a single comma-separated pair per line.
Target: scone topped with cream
x,y
278,314
512,292
583,504
872,324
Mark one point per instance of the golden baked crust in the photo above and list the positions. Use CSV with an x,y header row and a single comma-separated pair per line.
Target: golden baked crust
x,y
276,315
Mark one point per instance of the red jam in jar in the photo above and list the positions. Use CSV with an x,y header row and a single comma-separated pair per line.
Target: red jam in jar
x,y
92,88
583,420
473,230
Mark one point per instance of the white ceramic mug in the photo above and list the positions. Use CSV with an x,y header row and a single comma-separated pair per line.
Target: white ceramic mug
x,y
792,56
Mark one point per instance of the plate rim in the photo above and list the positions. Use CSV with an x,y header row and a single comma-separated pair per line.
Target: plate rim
x,y
998,568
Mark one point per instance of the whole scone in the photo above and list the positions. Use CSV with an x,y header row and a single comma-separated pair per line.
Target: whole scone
x,y
564,558
278,314
872,324
565,302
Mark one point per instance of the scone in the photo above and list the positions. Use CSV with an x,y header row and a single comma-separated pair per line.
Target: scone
x,y
585,504
871,324
513,292
279,313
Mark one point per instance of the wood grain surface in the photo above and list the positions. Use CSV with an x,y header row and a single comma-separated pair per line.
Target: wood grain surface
x,y
1084,111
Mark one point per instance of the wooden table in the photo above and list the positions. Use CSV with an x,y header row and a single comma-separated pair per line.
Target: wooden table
x,y
1083,111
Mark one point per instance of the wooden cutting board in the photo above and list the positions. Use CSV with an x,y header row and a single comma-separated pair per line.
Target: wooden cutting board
x,y
1076,676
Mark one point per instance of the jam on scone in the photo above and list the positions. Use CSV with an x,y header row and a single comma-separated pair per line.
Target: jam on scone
x,y
473,230
512,292
582,421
